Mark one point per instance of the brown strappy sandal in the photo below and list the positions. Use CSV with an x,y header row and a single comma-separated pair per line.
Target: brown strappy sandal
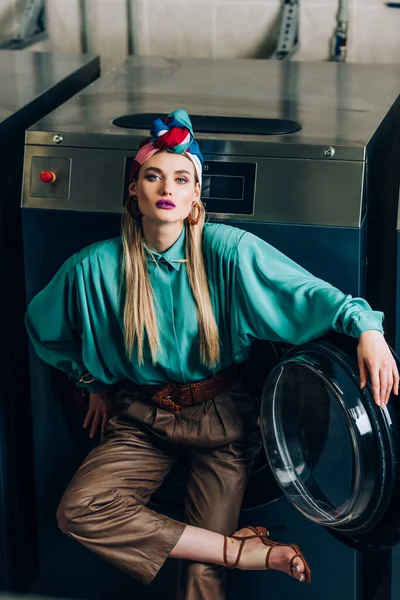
x,y
262,534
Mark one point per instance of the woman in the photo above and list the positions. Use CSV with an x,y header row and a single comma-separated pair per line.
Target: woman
x,y
171,310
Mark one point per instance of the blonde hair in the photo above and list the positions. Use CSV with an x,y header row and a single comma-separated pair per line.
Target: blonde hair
x,y
139,314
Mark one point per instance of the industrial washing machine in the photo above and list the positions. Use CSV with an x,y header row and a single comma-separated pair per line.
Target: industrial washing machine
x,y
32,85
293,153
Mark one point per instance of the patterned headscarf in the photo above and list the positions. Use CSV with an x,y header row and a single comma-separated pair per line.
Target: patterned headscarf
x,y
175,134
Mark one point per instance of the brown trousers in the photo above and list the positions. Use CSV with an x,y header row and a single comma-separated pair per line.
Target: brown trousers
x,y
104,506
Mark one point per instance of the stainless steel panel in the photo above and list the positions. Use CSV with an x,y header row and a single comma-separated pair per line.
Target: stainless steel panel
x,y
287,191
306,192
96,185
61,167
26,76
217,144
339,105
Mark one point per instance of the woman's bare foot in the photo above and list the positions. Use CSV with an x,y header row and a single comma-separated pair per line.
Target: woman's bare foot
x,y
254,553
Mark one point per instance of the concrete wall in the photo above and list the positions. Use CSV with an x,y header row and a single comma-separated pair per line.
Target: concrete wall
x,y
218,28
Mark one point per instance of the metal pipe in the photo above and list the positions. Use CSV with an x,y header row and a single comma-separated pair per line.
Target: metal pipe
x,y
130,27
29,18
288,41
339,46
343,14
85,35
31,26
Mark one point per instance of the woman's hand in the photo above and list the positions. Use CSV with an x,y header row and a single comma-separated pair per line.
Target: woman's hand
x,y
99,411
376,359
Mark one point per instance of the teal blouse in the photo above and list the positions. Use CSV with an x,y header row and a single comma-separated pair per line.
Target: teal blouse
x,y
76,322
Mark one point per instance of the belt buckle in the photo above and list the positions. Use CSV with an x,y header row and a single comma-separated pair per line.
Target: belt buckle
x,y
186,398
176,406
171,405
166,402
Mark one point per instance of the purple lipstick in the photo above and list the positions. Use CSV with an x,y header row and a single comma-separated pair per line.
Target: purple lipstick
x,y
166,204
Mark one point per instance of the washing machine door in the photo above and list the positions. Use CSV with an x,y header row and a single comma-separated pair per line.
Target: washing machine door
x,y
332,451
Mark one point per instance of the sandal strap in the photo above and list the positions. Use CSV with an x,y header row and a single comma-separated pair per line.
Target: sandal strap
x,y
292,566
254,530
239,554
243,539
257,534
271,546
225,551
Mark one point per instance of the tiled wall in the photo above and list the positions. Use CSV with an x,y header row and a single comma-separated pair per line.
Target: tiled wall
x,y
221,28
227,28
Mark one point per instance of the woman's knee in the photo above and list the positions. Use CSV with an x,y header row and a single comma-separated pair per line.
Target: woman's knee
x,y
76,505
67,511
80,508
62,519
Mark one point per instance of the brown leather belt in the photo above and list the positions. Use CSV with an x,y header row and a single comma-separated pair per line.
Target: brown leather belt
x,y
173,396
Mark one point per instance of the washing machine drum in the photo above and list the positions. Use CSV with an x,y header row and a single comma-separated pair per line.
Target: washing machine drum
x,y
332,451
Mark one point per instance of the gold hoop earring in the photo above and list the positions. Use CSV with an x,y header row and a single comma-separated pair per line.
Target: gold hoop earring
x,y
129,207
193,220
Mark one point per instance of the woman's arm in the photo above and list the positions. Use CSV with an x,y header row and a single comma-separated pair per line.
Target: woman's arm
x,y
54,324
276,299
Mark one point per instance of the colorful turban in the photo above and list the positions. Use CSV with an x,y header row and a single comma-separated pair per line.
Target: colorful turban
x,y
173,134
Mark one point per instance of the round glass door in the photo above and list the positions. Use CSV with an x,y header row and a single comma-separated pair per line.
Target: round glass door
x,y
329,447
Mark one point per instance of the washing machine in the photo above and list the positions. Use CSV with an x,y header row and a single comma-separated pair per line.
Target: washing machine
x,y
32,84
293,154
393,238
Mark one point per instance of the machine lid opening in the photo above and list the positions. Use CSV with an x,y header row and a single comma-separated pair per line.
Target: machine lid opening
x,y
217,124
329,447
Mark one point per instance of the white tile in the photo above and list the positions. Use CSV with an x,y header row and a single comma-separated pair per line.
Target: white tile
x,y
333,3
109,31
246,29
375,3
64,25
317,30
140,26
43,46
245,2
177,28
376,35
6,8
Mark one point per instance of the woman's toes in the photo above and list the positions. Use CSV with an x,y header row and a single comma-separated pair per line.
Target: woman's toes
x,y
264,532
298,569
280,559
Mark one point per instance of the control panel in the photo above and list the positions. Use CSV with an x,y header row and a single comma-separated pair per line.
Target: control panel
x,y
50,177
264,189
228,187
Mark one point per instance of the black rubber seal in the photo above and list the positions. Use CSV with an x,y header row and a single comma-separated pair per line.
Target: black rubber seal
x,y
215,124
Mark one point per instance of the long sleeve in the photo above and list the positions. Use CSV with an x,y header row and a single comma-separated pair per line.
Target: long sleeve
x,y
275,299
54,324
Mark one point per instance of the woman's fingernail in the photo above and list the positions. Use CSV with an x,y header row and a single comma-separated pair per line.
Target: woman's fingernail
x,y
298,568
302,578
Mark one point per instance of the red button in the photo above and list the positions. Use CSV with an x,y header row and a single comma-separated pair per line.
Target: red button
x,y
47,176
